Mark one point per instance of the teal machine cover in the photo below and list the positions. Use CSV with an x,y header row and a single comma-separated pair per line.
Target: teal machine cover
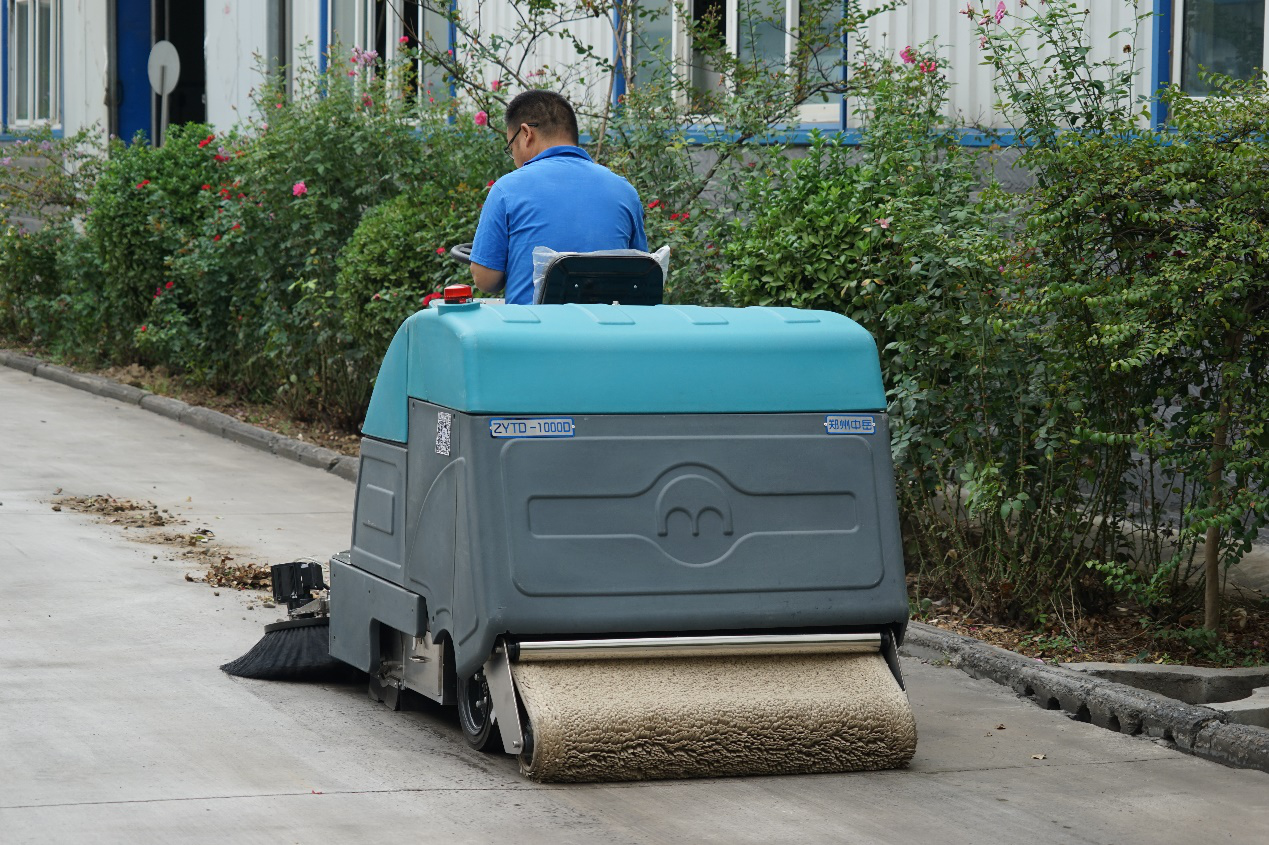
x,y
612,359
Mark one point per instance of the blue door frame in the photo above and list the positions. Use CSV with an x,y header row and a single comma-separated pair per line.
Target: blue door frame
x,y
135,102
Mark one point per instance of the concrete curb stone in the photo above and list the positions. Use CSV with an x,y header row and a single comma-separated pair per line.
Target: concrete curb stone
x,y
204,419
119,392
1191,728
346,467
24,363
164,406
304,453
63,375
250,435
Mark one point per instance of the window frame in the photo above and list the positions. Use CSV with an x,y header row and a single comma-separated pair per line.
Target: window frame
x,y
365,13
54,115
1177,43
681,55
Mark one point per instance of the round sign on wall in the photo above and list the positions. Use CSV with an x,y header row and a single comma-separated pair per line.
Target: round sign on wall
x,y
164,67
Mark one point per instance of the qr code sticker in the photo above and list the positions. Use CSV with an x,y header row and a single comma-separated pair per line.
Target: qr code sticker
x,y
443,420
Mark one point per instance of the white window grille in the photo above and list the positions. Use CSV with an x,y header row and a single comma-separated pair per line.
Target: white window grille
x,y
35,61
756,31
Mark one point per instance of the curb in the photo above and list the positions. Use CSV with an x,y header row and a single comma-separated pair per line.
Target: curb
x,y
204,419
1190,728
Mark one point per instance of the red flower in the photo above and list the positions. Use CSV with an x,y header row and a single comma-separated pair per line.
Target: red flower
x,y
674,216
491,183
220,158
216,237
170,285
237,226
206,141
654,203
440,250
143,183
207,187
143,328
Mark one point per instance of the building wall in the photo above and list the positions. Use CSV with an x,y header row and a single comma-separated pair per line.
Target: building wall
x,y
973,101
237,29
85,68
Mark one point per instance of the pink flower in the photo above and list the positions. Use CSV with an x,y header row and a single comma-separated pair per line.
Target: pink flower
x,y
928,67
440,250
969,10
883,222
1000,11
982,42
277,105
299,189
143,328
495,85
404,39
907,55
482,118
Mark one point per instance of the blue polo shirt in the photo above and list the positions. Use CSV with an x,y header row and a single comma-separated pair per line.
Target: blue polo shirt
x,y
560,199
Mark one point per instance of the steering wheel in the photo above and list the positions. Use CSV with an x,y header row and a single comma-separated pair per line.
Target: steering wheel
x,y
461,253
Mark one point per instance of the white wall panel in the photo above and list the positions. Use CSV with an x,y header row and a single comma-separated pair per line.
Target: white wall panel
x,y
973,100
84,65
235,32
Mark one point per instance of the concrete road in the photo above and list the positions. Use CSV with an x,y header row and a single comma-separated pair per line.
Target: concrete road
x,y
116,726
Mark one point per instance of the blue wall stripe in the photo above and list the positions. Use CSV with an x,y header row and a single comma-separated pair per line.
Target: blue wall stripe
x,y
4,66
323,34
1161,59
619,82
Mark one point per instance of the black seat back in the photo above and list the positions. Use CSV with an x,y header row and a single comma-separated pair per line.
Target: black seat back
x,y
589,279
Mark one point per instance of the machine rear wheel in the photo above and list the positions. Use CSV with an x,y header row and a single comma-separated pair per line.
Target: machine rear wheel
x,y
475,714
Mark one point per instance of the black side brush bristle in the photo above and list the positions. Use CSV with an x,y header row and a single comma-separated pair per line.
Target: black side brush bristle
x,y
293,650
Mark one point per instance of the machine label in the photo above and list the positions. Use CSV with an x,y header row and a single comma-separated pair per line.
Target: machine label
x,y
850,424
539,427
444,420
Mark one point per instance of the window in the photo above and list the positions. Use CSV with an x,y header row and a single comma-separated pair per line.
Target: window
x,y
278,43
390,27
756,31
34,61
1220,36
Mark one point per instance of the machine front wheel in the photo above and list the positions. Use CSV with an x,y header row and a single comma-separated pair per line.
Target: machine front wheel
x,y
475,714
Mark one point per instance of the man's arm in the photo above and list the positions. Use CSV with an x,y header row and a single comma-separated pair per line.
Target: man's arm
x,y
489,281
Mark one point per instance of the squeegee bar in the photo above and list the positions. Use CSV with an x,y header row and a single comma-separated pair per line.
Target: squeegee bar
x,y
720,646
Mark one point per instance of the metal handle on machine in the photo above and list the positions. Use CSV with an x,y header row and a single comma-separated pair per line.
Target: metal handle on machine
x,y
716,646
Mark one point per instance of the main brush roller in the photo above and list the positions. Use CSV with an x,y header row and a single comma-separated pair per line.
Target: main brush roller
x,y
673,717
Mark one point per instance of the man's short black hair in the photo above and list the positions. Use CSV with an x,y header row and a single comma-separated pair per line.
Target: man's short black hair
x,y
551,112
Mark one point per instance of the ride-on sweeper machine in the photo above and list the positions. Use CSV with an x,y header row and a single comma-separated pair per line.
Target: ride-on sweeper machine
x,y
629,541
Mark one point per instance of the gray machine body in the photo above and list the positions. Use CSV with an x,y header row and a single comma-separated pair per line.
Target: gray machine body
x,y
635,524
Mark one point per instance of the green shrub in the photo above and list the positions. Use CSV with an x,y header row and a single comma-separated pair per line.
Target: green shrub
x,y
144,207
398,254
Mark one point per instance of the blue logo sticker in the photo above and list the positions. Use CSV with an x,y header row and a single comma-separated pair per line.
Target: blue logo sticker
x,y
850,424
538,427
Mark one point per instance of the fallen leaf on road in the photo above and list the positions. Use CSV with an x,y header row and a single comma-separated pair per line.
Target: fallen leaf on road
x,y
1000,727
1037,757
